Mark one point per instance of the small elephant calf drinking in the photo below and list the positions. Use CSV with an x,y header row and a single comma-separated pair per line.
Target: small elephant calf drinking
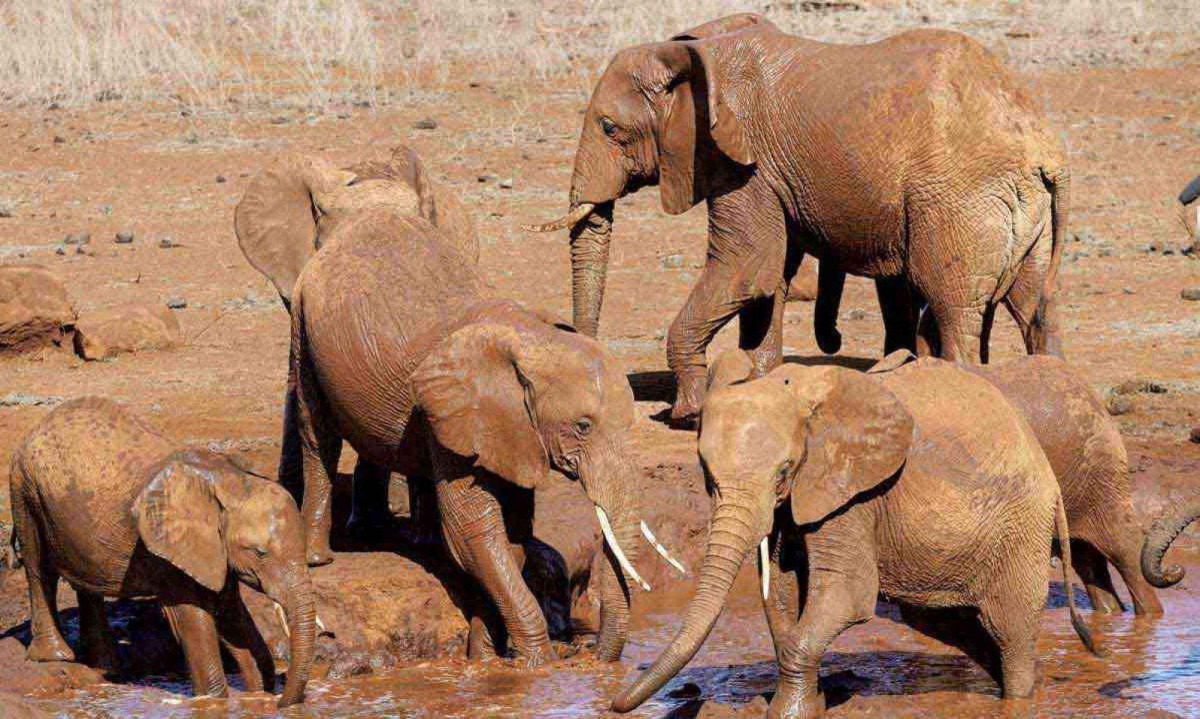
x,y
922,484
106,502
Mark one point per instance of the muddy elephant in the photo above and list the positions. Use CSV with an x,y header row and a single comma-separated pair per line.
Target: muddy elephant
x,y
922,484
289,209
396,351
915,160
1158,541
108,503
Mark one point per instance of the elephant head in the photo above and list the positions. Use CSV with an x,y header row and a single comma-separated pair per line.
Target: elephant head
x,y
208,518
290,207
815,438
522,395
660,115
1158,540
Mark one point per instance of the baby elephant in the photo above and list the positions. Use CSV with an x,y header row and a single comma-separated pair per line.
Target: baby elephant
x,y
922,484
106,502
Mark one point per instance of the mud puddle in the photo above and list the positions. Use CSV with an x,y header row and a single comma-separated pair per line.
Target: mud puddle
x,y
882,668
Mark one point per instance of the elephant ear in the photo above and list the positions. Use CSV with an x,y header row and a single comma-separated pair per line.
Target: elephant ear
x,y
403,166
276,219
696,126
476,398
178,518
857,436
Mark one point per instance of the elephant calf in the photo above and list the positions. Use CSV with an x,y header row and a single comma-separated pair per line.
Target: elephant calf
x,y
922,484
106,502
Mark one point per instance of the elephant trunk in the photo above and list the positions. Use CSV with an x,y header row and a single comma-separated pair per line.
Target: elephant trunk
x,y
1158,541
730,539
608,488
299,602
589,267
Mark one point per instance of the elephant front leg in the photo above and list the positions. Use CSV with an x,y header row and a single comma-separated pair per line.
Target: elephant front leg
x,y
242,640
95,636
760,331
369,506
473,527
196,631
782,601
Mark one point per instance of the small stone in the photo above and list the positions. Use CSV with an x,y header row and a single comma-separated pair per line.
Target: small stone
x,y
7,208
427,123
106,210
1195,435
221,179
1129,290
1191,294
59,139
176,302
124,237
672,262
80,239
279,120
1168,251
487,177
344,116
167,243
1119,404
61,250
506,183
1149,248
857,313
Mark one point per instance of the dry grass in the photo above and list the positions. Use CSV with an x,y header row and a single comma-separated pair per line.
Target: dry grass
x,y
323,52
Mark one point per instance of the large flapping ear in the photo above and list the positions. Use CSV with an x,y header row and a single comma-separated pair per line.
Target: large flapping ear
x,y
695,119
276,219
478,401
720,26
857,436
179,518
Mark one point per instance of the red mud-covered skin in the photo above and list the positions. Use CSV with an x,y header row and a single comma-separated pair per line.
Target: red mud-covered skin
x,y
108,333
35,309
107,503
901,484
917,160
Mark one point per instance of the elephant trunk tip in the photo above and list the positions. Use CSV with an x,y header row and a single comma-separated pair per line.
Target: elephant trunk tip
x,y
567,221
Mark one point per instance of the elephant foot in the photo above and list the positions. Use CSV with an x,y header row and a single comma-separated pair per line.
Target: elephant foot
x,y
688,398
791,703
829,340
534,657
103,657
319,556
49,648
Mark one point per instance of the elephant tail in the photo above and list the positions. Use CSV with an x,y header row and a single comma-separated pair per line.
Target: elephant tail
x,y
1058,183
1064,542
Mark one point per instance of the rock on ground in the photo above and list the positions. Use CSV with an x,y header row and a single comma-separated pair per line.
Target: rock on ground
x,y
105,334
35,310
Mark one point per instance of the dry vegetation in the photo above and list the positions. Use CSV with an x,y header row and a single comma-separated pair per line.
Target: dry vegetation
x,y
321,52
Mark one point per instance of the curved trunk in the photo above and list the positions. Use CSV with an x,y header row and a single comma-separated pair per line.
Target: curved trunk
x,y
608,484
589,267
729,541
1158,541
300,606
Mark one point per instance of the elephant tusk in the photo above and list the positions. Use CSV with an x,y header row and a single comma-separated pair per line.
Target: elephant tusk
x,y
567,221
282,617
661,549
764,567
616,548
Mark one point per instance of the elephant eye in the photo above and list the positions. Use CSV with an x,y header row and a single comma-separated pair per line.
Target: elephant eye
x,y
259,552
785,471
583,426
608,126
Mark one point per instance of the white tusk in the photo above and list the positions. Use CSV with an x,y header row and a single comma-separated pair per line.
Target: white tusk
x,y
764,567
282,617
320,625
661,549
616,549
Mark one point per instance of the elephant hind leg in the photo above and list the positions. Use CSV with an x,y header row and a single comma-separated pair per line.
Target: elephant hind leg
x,y
320,449
369,508
1035,313
95,636
760,331
1012,617
47,643
1092,568
1120,541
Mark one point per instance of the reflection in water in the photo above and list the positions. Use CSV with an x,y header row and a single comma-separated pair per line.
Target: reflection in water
x,y
881,666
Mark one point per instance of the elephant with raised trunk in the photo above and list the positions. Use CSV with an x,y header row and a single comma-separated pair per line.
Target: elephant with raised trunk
x,y
476,400
104,501
915,160
922,484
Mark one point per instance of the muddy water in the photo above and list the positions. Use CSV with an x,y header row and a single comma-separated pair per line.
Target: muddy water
x,y
882,668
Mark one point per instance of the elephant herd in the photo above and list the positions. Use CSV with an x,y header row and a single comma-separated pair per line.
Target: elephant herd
x,y
939,482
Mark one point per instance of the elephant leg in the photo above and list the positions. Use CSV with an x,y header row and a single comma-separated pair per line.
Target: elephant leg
x,y
901,311
196,631
960,332
760,332
1120,541
369,509
95,636
291,461
1035,311
832,605
928,342
47,643
831,280
715,299
320,449
1012,618
782,604
242,640
1092,568
473,527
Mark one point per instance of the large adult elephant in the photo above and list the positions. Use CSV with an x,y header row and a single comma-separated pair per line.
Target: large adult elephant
x,y
396,351
914,160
